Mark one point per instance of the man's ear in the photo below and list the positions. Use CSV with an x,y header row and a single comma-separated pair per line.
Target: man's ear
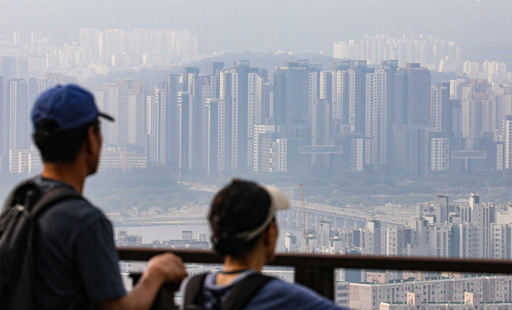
x,y
90,140
267,234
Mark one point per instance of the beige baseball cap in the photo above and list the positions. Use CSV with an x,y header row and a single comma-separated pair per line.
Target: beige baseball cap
x,y
278,201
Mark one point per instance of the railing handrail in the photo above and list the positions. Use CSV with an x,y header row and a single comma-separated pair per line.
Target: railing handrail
x,y
331,261
316,271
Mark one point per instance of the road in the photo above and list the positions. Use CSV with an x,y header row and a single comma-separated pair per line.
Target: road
x,y
349,213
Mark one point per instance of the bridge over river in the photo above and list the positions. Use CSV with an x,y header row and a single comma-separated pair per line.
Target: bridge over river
x,y
338,216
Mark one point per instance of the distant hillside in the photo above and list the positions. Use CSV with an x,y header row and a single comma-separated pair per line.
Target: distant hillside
x,y
266,60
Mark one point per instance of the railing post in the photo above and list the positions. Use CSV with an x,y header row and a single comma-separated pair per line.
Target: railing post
x,y
319,279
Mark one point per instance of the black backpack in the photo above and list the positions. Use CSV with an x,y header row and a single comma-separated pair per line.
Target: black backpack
x,y
17,226
237,299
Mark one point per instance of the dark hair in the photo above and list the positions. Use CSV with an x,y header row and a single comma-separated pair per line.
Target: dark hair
x,y
239,207
60,146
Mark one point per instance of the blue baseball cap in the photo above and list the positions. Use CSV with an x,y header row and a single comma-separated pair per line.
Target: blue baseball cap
x,y
70,106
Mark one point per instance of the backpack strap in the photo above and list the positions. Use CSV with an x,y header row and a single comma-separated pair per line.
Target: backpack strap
x,y
54,196
244,291
193,296
36,202
15,196
47,200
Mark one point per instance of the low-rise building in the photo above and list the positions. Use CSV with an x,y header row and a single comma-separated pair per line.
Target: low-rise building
x,y
430,294
471,302
117,158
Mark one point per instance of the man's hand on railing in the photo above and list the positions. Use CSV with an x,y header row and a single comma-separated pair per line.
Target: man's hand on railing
x,y
161,269
172,267
167,267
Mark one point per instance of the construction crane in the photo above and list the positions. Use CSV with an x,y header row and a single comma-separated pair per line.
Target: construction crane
x,y
306,246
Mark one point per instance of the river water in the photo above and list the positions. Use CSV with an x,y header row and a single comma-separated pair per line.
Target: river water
x,y
174,231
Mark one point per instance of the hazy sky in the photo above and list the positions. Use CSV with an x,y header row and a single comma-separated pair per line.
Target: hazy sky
x,y
482,28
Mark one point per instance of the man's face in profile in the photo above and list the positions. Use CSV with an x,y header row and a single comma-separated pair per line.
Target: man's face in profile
x,y
95,140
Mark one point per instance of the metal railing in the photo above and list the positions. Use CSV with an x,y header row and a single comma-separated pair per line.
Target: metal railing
x,y
316,271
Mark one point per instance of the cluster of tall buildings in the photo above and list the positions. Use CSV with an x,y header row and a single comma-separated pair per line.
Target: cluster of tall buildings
x,y
462,228
97,51
353,117
493,71
17,96
239,119
17,152
434,53
465,228
350,118
149,47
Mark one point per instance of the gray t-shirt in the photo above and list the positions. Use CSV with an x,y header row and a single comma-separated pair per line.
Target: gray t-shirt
x,y
76,260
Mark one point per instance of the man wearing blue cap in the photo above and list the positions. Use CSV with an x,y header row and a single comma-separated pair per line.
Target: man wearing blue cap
x,y
76,263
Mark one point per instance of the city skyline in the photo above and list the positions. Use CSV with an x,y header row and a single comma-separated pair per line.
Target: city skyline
x,y
353,117
350,118
387,124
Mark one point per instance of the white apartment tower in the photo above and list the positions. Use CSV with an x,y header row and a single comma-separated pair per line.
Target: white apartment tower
x,y
339,78
439,240
507,124
440,107
376,119
136,117
113,99
395,241
18,115
470,119
156,125
269,149
253,112
372,237
440,154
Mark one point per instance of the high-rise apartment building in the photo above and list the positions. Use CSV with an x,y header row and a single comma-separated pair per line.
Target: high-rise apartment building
x,y
270,149
156,112
508,142
321,131
19,115
149,47
113,98
418,94
136,116
184,139
440,107
295,92
380,98
4,118
433,53
439,154
212,138
174,85
240,110
373,238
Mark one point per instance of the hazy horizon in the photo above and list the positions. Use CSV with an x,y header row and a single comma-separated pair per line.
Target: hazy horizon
x,y
481,28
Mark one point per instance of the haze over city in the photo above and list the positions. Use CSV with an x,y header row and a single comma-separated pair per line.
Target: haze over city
x,y
388,124
482,28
